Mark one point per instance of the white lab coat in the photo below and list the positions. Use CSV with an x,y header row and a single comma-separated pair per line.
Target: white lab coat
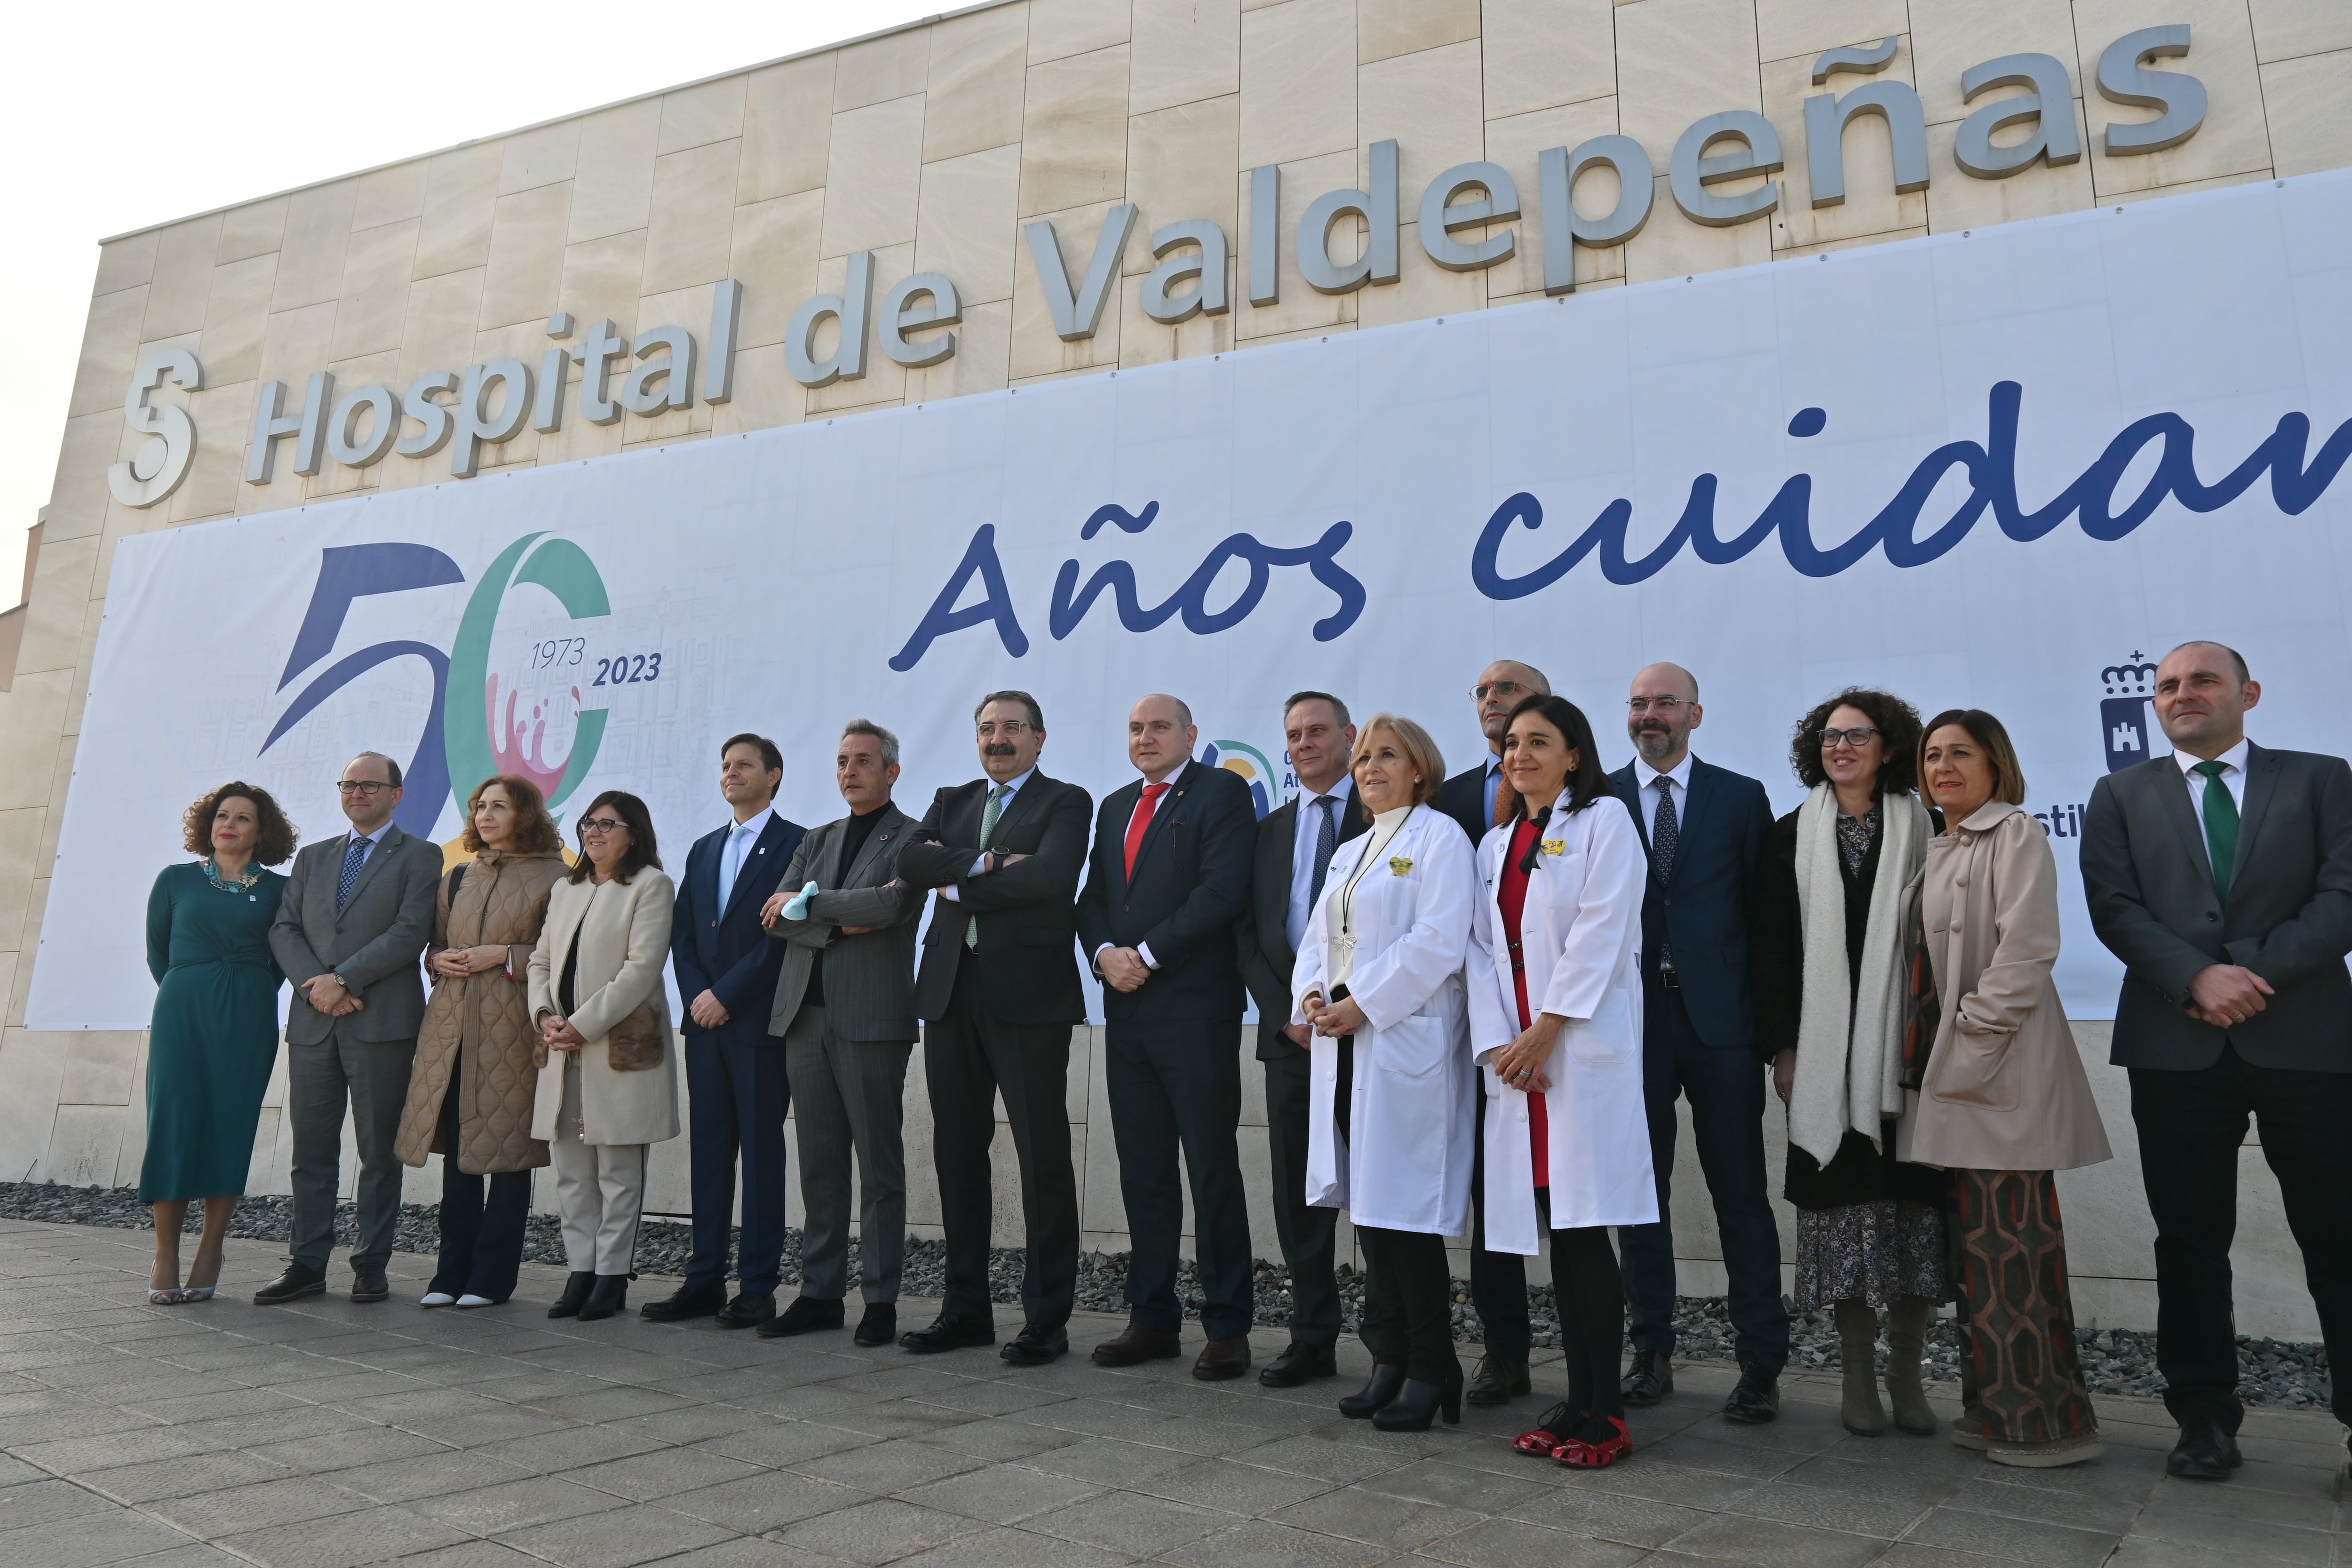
x,y
1582,941
1412,1110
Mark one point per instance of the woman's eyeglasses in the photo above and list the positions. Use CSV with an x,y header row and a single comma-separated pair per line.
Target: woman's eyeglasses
x,y
1855,739
600,825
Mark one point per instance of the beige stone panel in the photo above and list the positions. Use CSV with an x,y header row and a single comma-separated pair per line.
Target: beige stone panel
x,y
525,275
63,580
1062,27
612,192
390,196
1951,35
1956,200
981,361
84,1144
1678,60
1299,307
110,341
318,233
183,277
20,839
254,229
1142,340
1189,49
126,263
381,368
461,194
884,380
223,416
77,494
577,438
774,248
1786,27
1671,246
879,69
2219,182
693,221
30,741
1299,85
441,316
236,311
1517,143
787,126
1386,28
1429,103
605,276
1854,243
873,176
30,1066
1179,165
1872,205
77,698
688,308
98,1068
1036,350
1542,53
705,112
2309,104
2233,139
372,309
1073,131
2286,29
765,394
977,78
542,156
295,343
968,223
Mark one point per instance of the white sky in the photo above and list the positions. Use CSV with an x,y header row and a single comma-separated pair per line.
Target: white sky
x,y
129,119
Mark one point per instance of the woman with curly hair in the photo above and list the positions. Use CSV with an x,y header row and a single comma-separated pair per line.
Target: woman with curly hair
x,y
1831,988
213,1039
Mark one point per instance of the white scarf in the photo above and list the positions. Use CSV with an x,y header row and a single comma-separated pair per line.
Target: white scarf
x,y
1850,1053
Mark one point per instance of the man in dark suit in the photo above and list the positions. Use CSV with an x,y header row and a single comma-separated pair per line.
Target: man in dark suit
x,y
1169,876
355,916
1498,1280
2221,876
735,1080
1704,828
999,988
1294,843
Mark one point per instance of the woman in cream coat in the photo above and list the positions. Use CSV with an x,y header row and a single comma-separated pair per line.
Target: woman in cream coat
x,y
1557,1022
1380,976
608,1086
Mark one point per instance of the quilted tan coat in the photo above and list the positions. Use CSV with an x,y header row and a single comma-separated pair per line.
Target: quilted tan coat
x,y
502,899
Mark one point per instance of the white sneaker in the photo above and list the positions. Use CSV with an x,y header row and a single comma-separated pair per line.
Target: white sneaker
x,y
435,1298
468,1301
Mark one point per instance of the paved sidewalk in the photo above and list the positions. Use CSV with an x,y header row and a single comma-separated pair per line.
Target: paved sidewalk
x,y
328,1436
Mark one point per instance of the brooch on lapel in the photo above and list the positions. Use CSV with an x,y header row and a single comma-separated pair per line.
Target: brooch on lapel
x,y
1400,866
1554,846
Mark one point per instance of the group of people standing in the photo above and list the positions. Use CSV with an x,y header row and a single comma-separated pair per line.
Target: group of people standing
x,y
1480,998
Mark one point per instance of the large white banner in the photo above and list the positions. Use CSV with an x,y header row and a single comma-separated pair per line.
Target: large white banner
x,y
2006,468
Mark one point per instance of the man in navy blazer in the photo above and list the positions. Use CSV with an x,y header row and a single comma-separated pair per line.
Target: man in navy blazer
x,y
1704,827
735,1078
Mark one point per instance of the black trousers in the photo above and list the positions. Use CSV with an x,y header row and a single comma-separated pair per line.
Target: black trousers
x,y
1498,1280
1178,1086
1726,1090
969,1059
1305,1233
1408,1315
481,1235
2192,1126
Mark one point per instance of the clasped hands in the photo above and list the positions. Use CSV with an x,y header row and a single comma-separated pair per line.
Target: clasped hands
x,y
457,962
1331,1019
327,995
2225,995
1520,1064
1123,968
557,1030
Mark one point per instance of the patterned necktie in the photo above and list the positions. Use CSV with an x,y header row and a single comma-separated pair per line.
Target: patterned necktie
x,y
1666,834
356,857
987,816
1326,839
731,863
2220,827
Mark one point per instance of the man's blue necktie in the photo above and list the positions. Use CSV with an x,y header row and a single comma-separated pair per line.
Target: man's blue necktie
x,y
354,858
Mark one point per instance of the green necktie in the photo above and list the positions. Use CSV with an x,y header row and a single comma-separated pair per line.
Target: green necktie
x,y
2220,827
996,803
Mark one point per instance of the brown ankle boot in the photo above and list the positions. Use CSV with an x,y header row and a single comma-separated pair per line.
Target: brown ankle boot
x,y
1857,1326
1906,1337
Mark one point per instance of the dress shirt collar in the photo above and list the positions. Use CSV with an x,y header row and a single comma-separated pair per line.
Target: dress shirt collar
x,y
1343,792
1010,786
757,823
2232,760
372,838
1647,777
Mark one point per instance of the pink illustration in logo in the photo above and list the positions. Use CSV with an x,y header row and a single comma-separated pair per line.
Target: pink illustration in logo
x,y
518,747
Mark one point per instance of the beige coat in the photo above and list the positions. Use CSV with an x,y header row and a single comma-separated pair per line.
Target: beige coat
x,y
2005,1088
622,930
502,899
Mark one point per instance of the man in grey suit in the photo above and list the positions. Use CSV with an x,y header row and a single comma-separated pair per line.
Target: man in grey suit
x,y
845,1008
354,919
2221,876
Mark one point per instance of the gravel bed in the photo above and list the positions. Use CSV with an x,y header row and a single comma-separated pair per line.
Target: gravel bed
x,y
2272,1373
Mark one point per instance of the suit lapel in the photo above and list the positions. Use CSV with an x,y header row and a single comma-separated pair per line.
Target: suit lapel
x,y
392,838
884,831
759,846
1014,808
1695,802
2261,783
1178,782
2172,799
1622,783
1282,826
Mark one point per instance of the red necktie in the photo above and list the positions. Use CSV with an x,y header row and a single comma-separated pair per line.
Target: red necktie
x,y
1141,821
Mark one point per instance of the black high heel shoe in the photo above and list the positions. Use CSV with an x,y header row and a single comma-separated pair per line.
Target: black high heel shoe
x,y
1418,1403
1368,1400
574,1297
610,1295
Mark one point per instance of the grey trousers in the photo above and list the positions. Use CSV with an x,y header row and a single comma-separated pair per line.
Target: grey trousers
x,y
600,1190
849,1096
370,1077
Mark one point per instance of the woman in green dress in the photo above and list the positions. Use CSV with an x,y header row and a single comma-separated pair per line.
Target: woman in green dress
x,y
213,1039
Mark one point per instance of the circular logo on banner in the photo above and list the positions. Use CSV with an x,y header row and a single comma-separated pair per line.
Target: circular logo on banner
x,y
1240,757
528,693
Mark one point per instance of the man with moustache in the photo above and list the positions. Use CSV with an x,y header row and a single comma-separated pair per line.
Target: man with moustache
x,y
1293,848
1704,828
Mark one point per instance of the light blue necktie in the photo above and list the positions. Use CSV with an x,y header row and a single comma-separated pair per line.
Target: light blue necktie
x,y
731,863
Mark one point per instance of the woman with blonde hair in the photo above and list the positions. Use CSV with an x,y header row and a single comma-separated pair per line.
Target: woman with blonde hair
x,y
477,1069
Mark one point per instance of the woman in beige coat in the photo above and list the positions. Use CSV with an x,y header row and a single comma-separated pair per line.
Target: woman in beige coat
x,y
469,1093
609,1083
1997,1094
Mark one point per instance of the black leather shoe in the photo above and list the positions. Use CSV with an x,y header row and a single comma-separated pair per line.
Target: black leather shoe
x,y
1299,1363
1223,1359
751,1308
1387,1383
879,1326
1417,1402
368,1283
1755,1400
687,1301
574,1297
298,1282
1497,1380
948,1333
1135,1344
1035,1346
1651,1379
2207,1451
609,1295
802,1317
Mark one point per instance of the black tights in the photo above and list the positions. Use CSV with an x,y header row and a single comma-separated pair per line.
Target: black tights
x,y
1591,1295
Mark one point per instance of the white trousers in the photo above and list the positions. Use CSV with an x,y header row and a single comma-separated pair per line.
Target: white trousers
x,y
600,1190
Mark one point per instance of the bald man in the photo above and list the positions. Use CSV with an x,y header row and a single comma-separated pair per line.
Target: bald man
x,y
1169,879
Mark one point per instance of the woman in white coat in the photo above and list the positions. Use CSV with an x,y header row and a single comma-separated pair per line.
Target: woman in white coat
x,y
608,1078
1393,1115
1558,1027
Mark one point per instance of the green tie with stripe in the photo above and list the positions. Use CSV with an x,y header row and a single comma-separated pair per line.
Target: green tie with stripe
x,y
2220,827
988,826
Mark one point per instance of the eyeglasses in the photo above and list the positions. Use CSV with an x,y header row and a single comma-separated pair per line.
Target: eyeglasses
x,y
600,825
368,788
1011,729
1855,739
1664,707
1499,687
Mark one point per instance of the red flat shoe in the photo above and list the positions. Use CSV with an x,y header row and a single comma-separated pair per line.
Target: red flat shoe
x,y
1578,1455
1545,1440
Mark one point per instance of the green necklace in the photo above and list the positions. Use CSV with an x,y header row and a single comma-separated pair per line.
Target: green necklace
x,y
235,885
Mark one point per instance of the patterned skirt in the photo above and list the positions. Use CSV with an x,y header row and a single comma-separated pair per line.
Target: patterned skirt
x,y
1870,1252
2020,1375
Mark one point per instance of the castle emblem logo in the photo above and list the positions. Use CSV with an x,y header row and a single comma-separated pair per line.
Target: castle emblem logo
x,y
2128,711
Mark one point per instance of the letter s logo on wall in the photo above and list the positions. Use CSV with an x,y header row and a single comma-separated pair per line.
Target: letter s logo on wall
x,y
156,469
